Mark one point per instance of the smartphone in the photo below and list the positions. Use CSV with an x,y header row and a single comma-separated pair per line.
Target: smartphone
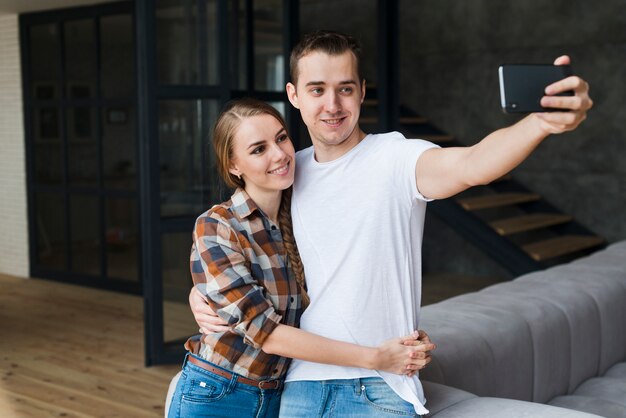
x,y
523,85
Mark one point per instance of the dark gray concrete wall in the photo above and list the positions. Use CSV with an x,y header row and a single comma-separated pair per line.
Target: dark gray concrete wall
x,y
450,54
354,17
450,51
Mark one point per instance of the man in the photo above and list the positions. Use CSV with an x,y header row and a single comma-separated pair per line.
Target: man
x,y
358,213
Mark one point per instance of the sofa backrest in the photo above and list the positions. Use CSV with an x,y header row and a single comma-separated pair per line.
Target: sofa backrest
x,y
535,337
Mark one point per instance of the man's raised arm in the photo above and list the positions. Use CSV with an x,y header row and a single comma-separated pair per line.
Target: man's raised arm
x,y
444,172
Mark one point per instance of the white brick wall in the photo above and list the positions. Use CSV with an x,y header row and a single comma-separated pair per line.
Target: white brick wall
x,y
13,213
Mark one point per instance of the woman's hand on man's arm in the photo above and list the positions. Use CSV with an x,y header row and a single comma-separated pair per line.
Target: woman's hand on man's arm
x,y
208,321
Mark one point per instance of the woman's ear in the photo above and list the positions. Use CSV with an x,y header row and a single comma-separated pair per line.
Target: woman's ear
x,y
234,171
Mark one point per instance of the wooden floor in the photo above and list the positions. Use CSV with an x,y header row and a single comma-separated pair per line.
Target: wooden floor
x,y
70,351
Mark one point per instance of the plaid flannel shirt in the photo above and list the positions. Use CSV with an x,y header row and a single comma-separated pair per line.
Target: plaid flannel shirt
x,y
238,262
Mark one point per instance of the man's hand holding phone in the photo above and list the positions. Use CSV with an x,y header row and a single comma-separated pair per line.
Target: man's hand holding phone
x,y
557,100
574,108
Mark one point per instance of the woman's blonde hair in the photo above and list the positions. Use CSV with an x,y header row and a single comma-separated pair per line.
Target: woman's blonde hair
x,y
223,137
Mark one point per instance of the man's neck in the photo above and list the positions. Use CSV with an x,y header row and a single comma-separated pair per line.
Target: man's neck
x,y
325,153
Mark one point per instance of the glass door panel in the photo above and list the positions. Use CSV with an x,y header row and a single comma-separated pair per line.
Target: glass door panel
x,y
45,68
80,59
178,322
85,234
119,160
238,45
47,145
82,146
117,56
122,238
50,230
186,182
269,54
186,35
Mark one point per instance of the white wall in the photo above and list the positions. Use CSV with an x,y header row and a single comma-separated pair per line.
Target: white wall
x,y
13,213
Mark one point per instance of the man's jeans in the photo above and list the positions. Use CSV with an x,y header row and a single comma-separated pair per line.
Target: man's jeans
x,y
200,393
367,397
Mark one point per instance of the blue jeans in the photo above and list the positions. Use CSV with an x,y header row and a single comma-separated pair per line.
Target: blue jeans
x,y
200,393
366,397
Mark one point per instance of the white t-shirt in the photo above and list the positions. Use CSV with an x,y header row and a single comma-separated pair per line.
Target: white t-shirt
x,y
358,222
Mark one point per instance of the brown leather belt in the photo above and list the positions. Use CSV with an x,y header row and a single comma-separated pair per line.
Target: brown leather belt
x,y
261,384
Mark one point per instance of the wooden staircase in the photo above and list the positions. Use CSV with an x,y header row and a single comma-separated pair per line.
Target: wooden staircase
x,y
516,227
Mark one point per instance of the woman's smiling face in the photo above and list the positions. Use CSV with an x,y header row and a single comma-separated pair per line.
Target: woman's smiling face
x,y
263,154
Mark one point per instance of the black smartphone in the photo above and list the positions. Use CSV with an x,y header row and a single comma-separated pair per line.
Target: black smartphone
x,y
523,85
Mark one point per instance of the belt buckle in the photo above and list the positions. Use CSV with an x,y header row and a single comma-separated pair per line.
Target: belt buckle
x,y
269,384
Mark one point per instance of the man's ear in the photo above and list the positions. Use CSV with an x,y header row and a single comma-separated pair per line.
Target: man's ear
x,y
292,95
362,91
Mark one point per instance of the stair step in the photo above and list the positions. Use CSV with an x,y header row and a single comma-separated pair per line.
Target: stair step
x,y
497,200
566,244
528,222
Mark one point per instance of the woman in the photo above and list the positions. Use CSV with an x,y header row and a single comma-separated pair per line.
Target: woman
x,y
244,259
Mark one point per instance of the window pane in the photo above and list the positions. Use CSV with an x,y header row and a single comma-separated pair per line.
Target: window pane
x,y
280,106
269,62
237,50
45,61
117,55
178,322
187,50
119,146
82,146
48,150
122,238
80,59
50,230
186,162
85,233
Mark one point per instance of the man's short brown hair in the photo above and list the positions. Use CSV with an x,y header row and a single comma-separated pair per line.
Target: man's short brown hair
x,y
329,42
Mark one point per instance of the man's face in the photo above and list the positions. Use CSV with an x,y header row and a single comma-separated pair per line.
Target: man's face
x,y
329,96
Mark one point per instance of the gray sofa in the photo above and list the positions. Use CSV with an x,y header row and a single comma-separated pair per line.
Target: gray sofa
x,y
547,344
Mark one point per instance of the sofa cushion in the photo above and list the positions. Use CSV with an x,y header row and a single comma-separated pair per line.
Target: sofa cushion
x,y
476,350
601,395
506,408
600,407
549,342
440,397
618,371
607,289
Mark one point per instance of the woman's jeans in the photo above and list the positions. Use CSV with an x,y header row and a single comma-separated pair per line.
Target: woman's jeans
x,y
366,397
200,393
